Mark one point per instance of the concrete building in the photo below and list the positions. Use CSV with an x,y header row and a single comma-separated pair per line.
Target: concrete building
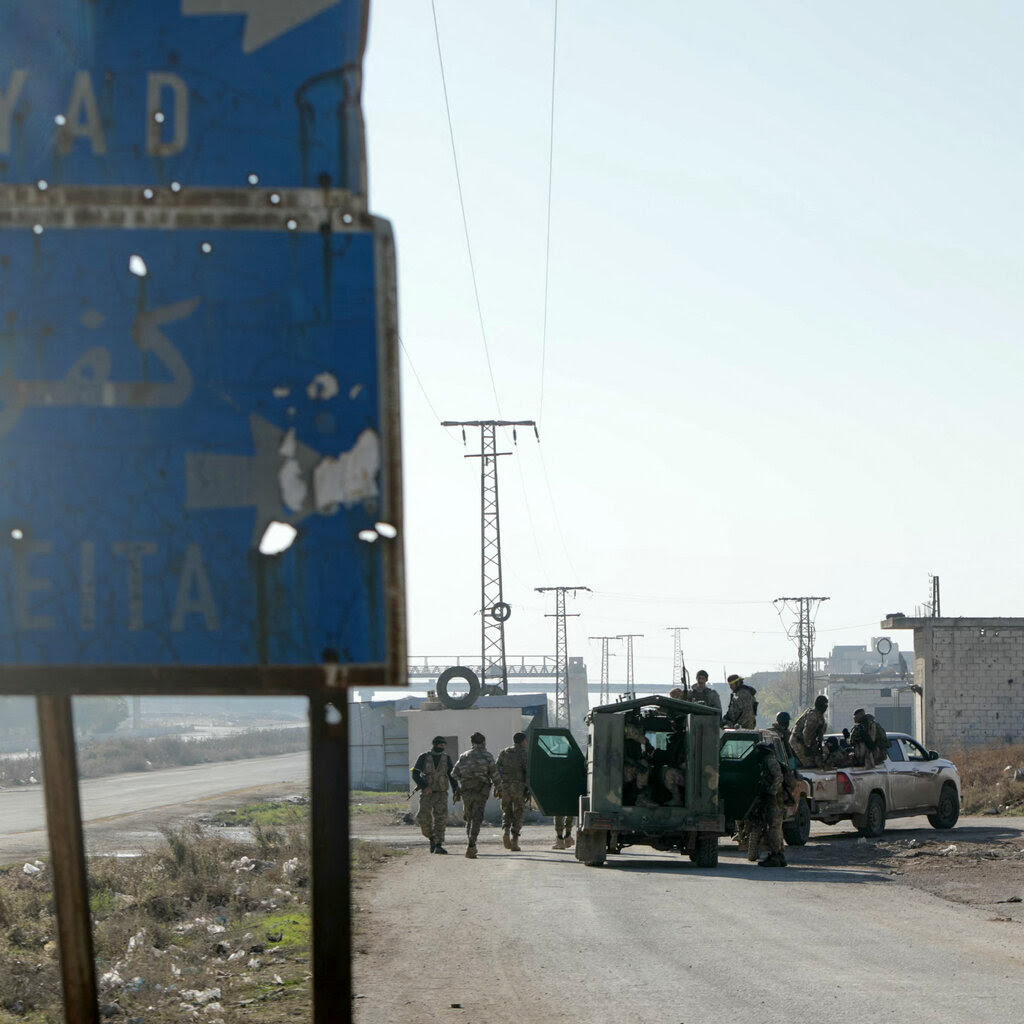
x,y
890,699
970,672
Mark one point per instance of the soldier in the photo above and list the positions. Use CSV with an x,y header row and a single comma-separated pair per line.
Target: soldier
x,y
514,790
808,733
700,693
781,729
742,712
869,741
432,774
836,756
475,772
764,819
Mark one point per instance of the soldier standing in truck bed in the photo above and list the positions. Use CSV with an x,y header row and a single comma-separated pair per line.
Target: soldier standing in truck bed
x,y
808,734
868,739
514,792
742,712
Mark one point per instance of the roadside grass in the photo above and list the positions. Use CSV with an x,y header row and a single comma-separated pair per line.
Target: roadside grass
x,y
987,778
205,926
117,756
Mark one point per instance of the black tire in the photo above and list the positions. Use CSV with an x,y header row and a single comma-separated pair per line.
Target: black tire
x,y
707,852
797,830
874,817
501,612
458,672
947,812
591,847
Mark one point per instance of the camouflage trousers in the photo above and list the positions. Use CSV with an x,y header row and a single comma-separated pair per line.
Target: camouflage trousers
x,y
513,803
768,832
563,824
433,815
473,803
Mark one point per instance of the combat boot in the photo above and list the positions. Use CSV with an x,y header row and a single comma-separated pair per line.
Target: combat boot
x,y
471,852
514,844
773,860
433,846
568,842
506,840
439,849
558,844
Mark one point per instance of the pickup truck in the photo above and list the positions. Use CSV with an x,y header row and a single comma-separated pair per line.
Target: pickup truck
x,y
720,769
910,781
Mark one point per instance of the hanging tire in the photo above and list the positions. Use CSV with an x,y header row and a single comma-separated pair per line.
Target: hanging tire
x,y
947,813
501,612
798,829
458,672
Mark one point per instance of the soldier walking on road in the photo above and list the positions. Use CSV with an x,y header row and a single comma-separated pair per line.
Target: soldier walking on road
x,y
475,772
514,790
742,712
808,734
563,832
432,775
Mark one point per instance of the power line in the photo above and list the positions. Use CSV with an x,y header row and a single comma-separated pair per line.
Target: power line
x,y
412,367
547,243
462,206
802,634
561,654
630,692
605,690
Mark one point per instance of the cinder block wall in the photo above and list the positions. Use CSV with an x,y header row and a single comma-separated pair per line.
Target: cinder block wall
x,y
972,675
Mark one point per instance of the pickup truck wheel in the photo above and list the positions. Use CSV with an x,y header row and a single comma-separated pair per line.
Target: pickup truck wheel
x,y
947,812
707,852
798,829
874,817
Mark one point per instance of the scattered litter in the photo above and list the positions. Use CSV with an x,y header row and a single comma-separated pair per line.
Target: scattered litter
x,y
201,996
1012,899
948,851
135,942
30,869
111,980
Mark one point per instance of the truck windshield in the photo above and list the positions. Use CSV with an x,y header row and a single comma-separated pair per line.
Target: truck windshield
x,y
736,748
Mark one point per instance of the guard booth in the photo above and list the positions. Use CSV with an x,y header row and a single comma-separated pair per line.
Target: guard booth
x,y
626,797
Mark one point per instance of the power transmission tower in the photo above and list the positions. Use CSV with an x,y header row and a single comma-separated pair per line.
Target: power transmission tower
x,y
802,634
561,653
606,696
630,693
494,612
936,609
680,677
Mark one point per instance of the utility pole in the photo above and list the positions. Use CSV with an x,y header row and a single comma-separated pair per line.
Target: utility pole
x,y
802,634
630,693
606,696
494,612
561,653
680,677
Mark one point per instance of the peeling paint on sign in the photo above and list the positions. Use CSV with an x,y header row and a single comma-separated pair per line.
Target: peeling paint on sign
x,y
351,477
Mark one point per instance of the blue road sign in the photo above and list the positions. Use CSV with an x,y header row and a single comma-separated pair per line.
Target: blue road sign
x,y
199,92
166,398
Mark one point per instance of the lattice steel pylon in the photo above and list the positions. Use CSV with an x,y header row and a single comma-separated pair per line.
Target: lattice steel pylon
x,y
561,654
802,634
630,692
680,677
606,696
494,612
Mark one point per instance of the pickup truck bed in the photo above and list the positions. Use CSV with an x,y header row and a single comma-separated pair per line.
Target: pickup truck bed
x,y
910,781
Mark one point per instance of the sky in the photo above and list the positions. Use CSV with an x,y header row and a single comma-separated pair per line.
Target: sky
x,y
783,302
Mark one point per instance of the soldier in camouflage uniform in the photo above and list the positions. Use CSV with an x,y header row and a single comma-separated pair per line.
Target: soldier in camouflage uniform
x,y
869,741
432,774
475,772
808,732
780,727
701,693
765,817
514,790
742,711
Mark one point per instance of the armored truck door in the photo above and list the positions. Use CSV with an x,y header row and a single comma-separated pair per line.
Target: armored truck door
x,y
557,771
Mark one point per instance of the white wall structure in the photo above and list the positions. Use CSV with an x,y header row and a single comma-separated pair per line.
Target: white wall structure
x,y
891,701
970,672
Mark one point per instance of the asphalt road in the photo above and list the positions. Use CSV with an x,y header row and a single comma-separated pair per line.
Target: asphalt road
x,y
649,938
122,812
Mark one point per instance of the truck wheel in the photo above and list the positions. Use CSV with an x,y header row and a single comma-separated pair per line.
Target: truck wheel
x,y
798,829
591,847
707,852
874,817
948,810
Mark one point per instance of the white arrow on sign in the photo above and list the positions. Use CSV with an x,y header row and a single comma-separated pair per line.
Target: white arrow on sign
x,y
265,19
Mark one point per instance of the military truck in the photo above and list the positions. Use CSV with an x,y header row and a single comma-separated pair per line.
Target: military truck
x,y
619,792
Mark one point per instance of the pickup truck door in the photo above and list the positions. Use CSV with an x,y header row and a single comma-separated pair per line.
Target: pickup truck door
x,y
556,770
920,775
900,791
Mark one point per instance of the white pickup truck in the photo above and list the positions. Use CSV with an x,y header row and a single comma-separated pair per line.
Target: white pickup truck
x,y
910,781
